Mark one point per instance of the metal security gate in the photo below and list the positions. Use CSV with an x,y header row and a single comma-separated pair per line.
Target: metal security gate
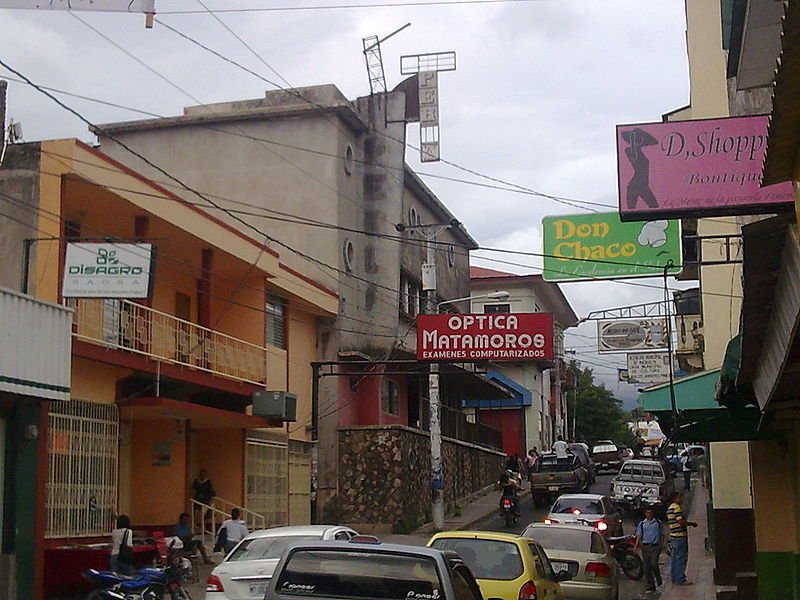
x,y
299,483
266,467
83,448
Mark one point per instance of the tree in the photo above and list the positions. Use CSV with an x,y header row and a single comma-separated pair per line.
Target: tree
x,y
599,413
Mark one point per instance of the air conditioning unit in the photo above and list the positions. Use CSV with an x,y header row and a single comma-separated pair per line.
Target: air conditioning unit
x,y
275,405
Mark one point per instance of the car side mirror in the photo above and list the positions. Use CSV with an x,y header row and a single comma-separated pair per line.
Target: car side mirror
x,y
563,576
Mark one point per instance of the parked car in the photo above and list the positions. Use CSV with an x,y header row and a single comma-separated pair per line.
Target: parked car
x,y
606,455
626,453
677,455
584,554
595,510
247,569
505,565
552,476
581,450
643,482
357,570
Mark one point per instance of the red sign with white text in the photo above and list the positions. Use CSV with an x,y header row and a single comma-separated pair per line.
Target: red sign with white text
x,y
497,337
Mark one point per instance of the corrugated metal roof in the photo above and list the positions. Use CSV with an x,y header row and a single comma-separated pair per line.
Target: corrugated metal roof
x,y
35,347
784,126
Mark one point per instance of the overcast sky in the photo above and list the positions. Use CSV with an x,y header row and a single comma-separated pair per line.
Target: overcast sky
x,y
539,88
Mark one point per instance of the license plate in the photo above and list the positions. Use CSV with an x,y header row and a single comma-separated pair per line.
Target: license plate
x,y
258,589
559,566
552,488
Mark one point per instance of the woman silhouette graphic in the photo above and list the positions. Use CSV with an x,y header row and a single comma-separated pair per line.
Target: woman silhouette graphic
x,y
639,185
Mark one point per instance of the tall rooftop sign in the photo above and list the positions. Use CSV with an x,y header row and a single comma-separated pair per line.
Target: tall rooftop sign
x,y
695,169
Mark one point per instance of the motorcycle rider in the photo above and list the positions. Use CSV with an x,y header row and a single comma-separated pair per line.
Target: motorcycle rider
x,y
510,488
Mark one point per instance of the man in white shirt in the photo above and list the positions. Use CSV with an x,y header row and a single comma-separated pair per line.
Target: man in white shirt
x,y
560,447
235,530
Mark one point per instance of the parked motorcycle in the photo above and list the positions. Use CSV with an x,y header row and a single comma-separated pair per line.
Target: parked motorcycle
x,y
623,549
146,584
176,571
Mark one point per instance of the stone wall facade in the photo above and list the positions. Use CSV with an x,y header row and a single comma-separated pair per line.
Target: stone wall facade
x,y
384,474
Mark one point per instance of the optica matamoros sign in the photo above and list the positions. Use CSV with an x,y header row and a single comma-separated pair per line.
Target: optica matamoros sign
x,y
601,246
632,334
496,337
107,270
695,168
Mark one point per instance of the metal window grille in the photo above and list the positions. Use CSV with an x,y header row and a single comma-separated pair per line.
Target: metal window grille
x,y
82,474
390,397
276,321
266,468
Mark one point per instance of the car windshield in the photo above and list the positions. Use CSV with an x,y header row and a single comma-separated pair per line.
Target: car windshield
x,y
487,559
560,538
267,547
578,506
550,464
344,573
604,448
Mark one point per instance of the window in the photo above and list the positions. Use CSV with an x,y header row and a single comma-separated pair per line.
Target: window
x,y
490,309
390,397
410,295
267,547
82,441
464,585
276,321
560,538
583,506
487,559
358,574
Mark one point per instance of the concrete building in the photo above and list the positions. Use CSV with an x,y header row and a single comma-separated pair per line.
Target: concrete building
x,y
733,47
323,180
537,411
160,386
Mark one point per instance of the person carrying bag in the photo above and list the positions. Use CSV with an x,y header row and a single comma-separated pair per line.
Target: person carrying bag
x,y
121,560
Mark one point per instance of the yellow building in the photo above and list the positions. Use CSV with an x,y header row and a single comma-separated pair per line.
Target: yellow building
x,y
161,386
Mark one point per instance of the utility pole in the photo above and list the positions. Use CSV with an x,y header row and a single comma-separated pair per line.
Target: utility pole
x,y
434,400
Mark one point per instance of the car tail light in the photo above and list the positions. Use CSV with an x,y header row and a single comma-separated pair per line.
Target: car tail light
x,y
506,502
596,569
601,525
528,591
214,584
550,521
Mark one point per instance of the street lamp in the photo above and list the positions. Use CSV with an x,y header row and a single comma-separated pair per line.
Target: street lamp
x,y
435,405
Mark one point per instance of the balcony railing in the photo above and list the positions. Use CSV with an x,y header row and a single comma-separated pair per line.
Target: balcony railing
x,y
125,325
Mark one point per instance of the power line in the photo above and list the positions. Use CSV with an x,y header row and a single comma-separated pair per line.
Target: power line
x,y
424,3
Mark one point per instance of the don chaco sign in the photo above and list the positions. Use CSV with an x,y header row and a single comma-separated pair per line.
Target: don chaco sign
x,y
496,337
695,168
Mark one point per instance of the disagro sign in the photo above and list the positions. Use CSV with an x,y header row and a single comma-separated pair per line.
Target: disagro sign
x,y
107,270
695,168
496,337
601,246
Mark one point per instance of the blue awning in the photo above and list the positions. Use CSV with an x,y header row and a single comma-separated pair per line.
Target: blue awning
x,y
518,395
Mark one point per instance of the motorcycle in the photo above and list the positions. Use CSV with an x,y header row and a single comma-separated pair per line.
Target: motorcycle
x,y
146,584
507,511
623,549
176,571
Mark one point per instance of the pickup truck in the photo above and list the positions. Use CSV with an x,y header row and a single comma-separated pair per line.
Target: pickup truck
x,y
552,476
643,482
606,455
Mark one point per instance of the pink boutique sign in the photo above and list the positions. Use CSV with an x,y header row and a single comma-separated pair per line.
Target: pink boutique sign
x,y
695,168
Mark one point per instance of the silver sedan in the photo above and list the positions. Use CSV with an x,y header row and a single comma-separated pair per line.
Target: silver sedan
x,y
584,554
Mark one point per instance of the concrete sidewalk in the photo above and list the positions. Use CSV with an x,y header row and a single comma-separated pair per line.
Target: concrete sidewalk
x,y
700,568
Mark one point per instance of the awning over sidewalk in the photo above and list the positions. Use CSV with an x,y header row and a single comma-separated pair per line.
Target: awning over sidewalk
x,y
513,394
695,392
201,417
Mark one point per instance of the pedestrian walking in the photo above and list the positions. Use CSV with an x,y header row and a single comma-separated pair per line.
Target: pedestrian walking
x,y
686,467
650,536
678,540
121,560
